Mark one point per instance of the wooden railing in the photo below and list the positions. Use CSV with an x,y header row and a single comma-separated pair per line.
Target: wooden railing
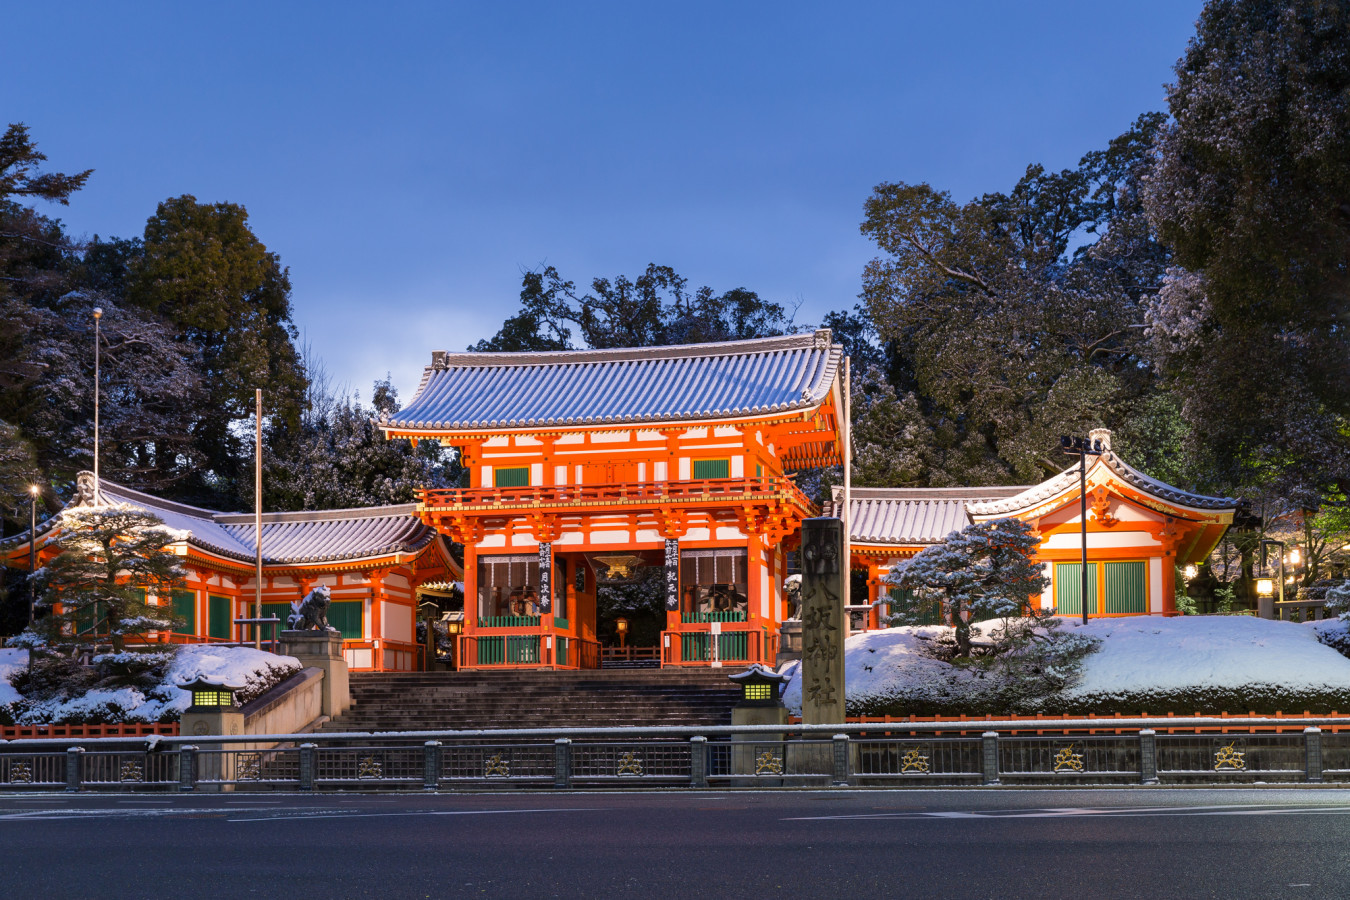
x,y
123,729
707,490
381,655
730,643
536,650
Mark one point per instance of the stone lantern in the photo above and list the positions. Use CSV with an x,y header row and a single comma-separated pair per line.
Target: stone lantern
x,y
752,753
213,709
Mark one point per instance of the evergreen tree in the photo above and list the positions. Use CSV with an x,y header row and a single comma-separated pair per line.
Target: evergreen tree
x,y
339,458
1007,327
204,270
654,309
111,557
983,571
1250,190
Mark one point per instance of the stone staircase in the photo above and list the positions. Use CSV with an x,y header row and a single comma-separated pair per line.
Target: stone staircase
x,y
434,701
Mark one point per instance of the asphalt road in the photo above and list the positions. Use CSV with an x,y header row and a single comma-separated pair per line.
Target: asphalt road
x,y
1088,844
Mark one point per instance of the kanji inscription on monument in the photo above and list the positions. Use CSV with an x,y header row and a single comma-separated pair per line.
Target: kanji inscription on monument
x,y
822,601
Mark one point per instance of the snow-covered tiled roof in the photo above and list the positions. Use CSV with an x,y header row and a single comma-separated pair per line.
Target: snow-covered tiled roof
x,y
906,516
473,391
288,538
1068,479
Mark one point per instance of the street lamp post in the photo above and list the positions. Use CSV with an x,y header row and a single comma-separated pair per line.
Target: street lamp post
x,y
34,491
1082,448
98,492
1279,592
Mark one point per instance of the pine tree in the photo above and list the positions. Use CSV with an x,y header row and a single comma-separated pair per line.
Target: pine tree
x,y
111,558
983,571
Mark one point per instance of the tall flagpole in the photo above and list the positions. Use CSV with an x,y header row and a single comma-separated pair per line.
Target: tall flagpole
x,y
257,526
846,518
98,490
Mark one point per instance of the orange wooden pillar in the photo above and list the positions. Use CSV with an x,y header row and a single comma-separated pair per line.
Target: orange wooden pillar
x,y
873,595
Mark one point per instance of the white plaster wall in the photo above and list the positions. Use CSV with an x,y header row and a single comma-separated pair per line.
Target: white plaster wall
x,y
1048,595
487,476
397,621
536,473
503,441
649,534
569,537
524,440
659,471
492,540
642,471
560,474
609,537
765,593
610,437
523,540
1155,584
398,581
684,468
697,534
572,439
738,467
1101,539
725,533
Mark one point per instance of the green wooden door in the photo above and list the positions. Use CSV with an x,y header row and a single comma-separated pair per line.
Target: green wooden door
x,y
346,617
219,622
1125,591
1068,585
185,608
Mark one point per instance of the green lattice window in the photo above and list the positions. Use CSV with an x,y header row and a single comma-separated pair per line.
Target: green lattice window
x,y
1125,591
518,477
712,468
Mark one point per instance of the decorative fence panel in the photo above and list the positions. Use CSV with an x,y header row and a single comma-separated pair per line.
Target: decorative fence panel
x,y
1189,750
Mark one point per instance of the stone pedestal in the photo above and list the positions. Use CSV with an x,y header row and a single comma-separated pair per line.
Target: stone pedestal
x,y
204,721
323,650
211,720
789,642
824,571
763,756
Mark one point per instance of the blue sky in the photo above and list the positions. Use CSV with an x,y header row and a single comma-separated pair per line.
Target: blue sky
x,y
407,160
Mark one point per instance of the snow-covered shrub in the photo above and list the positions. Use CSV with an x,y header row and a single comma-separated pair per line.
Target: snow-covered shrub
x,y
1338,600
983,571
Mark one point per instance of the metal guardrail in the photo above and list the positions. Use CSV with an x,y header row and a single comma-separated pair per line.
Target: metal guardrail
x,y
919,753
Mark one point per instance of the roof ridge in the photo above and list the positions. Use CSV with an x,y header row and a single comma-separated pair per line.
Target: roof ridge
x,y
442,359
320,515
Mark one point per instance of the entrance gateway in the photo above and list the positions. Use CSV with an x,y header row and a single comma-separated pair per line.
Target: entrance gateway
x,y
637,498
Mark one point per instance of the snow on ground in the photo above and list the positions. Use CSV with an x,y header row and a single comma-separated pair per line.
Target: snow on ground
x,y
1141,654
236,666
1234,652
889,663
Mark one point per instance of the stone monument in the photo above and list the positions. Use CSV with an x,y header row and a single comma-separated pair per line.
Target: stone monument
x,y
822,611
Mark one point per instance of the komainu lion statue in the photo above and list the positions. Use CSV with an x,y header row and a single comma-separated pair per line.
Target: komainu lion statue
x,y
311,613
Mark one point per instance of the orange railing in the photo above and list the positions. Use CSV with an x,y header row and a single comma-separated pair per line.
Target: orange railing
x,y
727,643
707,490
380,655
124,729
506,648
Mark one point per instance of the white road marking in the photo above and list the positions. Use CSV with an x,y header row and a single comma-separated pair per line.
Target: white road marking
x,y
1119,812
346,814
